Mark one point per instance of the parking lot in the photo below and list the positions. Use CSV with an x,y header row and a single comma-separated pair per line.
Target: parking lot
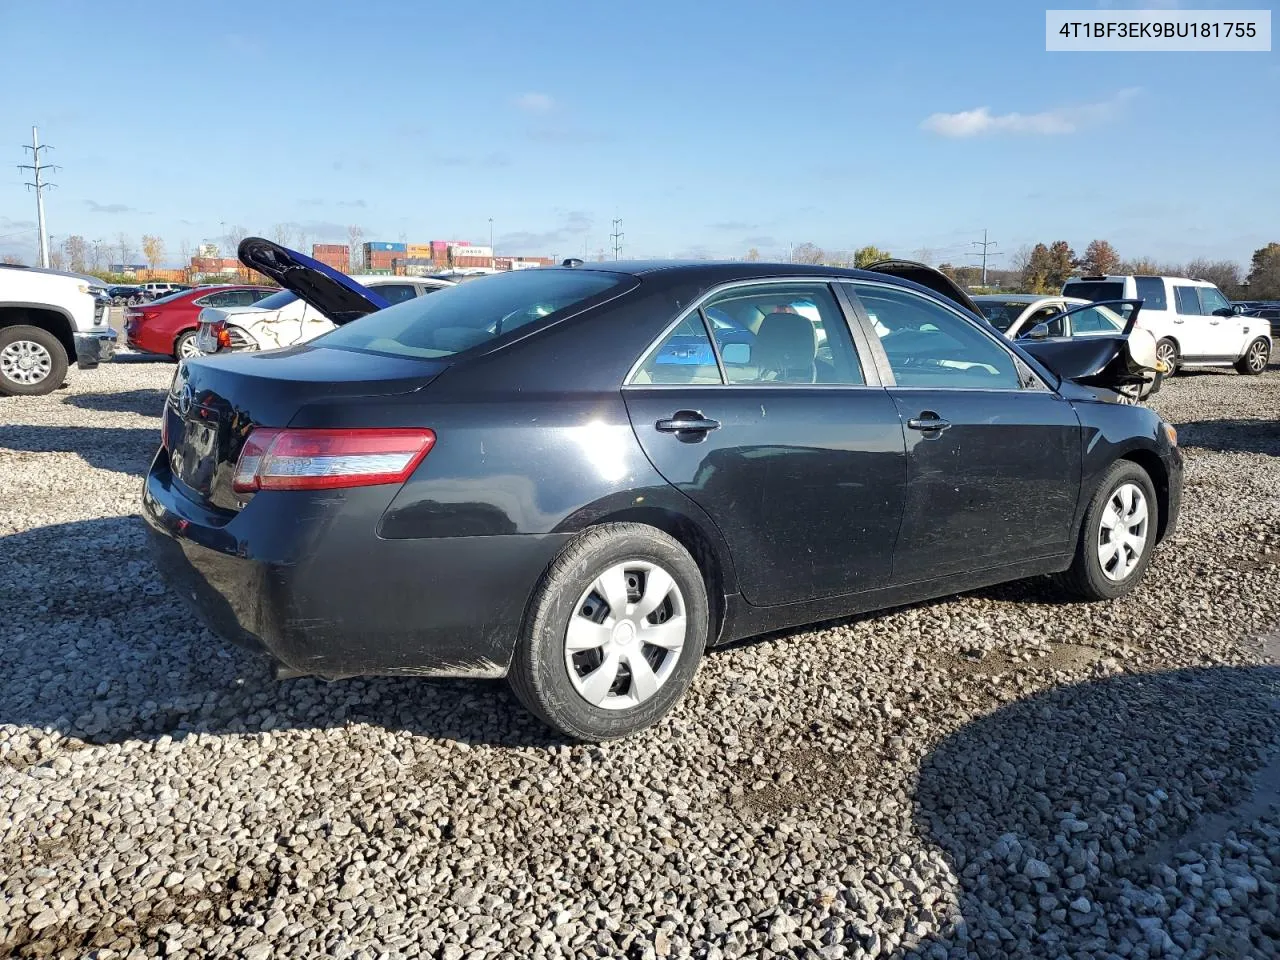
x,y
962,777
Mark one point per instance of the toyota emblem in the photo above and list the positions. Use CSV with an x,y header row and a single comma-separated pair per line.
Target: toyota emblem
x,y
186,400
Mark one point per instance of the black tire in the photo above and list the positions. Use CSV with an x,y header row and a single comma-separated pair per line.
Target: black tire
x,y
1168,346
1255,359
1086,579
539,673
58,362
183,338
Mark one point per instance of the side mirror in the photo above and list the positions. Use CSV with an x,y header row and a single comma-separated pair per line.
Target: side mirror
x,y
1224,312
1039,332
739,354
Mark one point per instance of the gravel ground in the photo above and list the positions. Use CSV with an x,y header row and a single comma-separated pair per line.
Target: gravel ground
x,y
995,775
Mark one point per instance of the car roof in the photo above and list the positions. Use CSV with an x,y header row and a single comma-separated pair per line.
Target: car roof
x,y
724,270
1016,297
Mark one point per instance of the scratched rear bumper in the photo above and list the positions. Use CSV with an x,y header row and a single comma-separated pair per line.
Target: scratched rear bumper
x,y
309,583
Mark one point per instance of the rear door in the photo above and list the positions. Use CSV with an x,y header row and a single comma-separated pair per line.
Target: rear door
x,y
1191,327
782,434
993,455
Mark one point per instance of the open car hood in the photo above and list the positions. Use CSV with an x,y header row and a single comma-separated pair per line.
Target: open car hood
x,y
330,291
927,276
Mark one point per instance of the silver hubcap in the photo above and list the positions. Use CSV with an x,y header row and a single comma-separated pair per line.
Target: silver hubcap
x,y
625,636
187,347
25,362
1258,356
1167,355
1122,536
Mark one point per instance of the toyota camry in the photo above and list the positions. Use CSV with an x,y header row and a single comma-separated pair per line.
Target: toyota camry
x,y
581,477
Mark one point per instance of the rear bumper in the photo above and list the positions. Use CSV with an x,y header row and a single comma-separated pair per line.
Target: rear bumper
x,y
304,578
95,346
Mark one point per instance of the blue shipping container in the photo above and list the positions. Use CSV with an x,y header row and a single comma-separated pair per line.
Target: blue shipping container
x,y
381,245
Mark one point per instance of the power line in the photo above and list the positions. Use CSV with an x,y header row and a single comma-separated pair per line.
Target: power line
x,y
984,243
37,168
616,237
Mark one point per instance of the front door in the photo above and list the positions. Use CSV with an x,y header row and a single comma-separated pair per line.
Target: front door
x,y
777,435
993,455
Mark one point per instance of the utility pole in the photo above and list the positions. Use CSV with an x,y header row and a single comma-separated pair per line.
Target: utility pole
x,y
616,237
37,168
984,243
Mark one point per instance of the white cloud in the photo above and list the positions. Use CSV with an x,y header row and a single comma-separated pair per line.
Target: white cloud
x,y
535,102
1057,121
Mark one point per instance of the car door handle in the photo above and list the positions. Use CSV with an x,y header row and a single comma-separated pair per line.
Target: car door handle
x,y
688,421
928,422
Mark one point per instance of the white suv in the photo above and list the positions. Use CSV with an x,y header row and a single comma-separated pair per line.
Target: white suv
x,y
282,320
1192,321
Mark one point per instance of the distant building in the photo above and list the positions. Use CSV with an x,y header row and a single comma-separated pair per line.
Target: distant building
x,y
128,269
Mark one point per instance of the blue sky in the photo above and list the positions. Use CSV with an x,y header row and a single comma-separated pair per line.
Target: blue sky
x,y
709,128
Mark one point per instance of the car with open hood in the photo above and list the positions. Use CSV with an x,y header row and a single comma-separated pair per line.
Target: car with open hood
x,y
286,318
511,478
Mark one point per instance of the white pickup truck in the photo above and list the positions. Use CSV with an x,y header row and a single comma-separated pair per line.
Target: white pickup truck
x,y
47,318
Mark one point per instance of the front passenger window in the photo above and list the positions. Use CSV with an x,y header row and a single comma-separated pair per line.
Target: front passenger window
x,y
927,345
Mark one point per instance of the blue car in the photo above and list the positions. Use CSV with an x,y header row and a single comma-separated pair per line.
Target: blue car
x,y
691,347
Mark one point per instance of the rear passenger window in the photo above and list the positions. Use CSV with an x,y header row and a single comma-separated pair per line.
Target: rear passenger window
x,y
793,333
929,346
1188,300
685,355
1150,291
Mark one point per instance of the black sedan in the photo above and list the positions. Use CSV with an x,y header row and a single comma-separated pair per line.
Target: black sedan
x,y
519,477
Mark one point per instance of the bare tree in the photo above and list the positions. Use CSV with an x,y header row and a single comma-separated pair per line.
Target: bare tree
x,y
184,252
77,252
152,250
355,234
1021,259
12,259
1223,274
807,253
97,254
124,247
282,233
57,260
925,255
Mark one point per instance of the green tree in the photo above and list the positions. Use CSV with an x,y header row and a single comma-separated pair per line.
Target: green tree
x,y
865,256
1264,273
1100,258
1062,263
1035,274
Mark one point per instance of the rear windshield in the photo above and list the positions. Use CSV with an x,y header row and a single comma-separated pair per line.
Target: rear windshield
x,y
1001,315
459,318
281,298
1095,290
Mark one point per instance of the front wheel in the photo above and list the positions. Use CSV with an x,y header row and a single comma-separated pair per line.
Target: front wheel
x,y
32,362
1118,535
614,634
1255,358
1167,352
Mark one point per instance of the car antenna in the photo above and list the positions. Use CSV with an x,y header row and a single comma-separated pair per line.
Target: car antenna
x,y
571,262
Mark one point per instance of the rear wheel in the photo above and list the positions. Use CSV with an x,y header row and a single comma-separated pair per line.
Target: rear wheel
x,y
185,346
1117,537
1167,352
614,634
32,361
1255,358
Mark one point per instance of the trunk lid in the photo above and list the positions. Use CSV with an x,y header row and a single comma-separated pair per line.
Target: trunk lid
x,y
330,291
927,277
214,402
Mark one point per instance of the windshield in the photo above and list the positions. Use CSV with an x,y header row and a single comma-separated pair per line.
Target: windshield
x,y
281,298
459,318
1001,314
1095,290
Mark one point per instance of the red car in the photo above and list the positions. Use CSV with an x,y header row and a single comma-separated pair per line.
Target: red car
x,y
168,326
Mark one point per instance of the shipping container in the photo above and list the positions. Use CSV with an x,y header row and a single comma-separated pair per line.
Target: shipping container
x,y
382,245
418,250
465,250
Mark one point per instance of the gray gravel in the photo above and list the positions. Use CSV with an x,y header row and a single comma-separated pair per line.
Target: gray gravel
x,y
996,775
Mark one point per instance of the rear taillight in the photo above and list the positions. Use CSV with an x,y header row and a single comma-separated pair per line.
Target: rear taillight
x,y
224,336
285,459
